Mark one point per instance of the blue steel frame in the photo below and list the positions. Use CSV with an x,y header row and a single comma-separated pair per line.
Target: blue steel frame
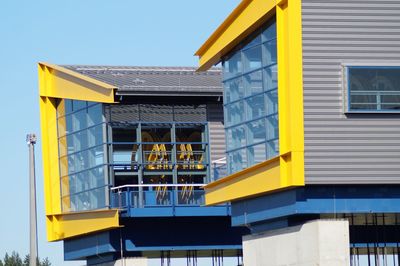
x,y
275,208
348,110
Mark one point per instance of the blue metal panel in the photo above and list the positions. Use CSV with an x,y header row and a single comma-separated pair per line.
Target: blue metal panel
x,y
91,245
317,200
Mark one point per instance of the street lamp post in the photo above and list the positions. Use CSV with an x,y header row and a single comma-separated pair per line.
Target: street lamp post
x,y
33,250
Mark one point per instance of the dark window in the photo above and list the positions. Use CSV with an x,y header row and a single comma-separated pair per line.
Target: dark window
x,y
374,88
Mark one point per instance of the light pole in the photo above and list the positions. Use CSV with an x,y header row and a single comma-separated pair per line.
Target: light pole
x,y
33,251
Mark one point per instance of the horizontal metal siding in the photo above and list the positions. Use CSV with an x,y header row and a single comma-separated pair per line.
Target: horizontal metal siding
x,y
340,148
215,116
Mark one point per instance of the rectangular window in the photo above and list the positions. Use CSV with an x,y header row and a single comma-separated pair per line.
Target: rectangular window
x,y
373,89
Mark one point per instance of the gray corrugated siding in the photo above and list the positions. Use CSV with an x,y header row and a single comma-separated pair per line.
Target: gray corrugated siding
x,y
215,116
339,148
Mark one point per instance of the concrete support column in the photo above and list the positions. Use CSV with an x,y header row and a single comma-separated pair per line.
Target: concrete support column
x,y
321,242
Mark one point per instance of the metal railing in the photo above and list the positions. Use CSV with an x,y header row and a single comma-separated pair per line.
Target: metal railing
x,y
380,101
157,195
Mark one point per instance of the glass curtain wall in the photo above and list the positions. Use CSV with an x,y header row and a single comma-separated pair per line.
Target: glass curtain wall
x,y
82,155
155,144
251,100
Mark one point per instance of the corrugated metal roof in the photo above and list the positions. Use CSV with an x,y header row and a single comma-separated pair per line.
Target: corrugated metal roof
x,y
136,80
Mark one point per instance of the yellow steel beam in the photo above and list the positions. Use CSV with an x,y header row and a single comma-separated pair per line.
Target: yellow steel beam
x,y
290,90
67,225
56,82
60,82
49,140
286,170
249,15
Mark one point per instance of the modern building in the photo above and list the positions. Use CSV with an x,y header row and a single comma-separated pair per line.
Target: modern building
x,y
312,121
126,153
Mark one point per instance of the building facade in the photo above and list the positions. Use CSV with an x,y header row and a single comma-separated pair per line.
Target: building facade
x,y
312,119
126,152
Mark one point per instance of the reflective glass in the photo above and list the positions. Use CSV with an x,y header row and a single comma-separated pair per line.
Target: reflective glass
x,y
269,53
257,154
236,137
252,58
253,83
255,110
232,66
94,115
270,78
269,33
272,127
78,105
374,88
237,160
79,120
234,113
256,131
233,90
255,107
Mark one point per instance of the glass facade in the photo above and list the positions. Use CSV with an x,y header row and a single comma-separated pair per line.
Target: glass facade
x,y
374,88
251,100
156,146
82,155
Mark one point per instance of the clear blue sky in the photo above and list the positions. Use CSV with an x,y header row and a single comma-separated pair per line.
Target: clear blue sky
x,y
120,32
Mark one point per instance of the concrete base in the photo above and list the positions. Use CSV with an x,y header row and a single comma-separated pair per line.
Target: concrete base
x,y
321,242
137,261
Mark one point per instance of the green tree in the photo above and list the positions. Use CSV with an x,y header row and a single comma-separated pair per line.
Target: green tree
x,y
1,263
14,260
45,262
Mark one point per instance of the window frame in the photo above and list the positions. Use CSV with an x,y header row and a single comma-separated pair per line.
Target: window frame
x,y
347,87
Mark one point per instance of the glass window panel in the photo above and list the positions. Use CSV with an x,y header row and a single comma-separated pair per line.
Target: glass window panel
x,y
233,90
272,127
257,154
253,83
237,160
77,105
270,78
255,107
232,66
95,135
236,137
79,120
252,58
272,148
68,106
61,126
69,124
256,40
270,32
269,53
95,115
64,167
256,131
234,113
65,190
271,102
62,146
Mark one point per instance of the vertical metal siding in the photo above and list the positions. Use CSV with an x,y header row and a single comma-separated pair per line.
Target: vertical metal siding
x,y
215,116
340,148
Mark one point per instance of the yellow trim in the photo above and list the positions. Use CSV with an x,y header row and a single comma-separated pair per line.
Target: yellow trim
x,y
62,226
286,170
51,173
249,15
59,82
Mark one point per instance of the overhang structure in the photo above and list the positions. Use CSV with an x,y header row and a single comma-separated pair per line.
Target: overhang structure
x,y
287,169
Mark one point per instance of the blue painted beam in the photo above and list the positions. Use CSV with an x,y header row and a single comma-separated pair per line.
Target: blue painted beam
x,y
317,200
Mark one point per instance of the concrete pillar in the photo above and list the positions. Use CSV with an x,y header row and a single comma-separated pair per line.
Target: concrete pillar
x,y
321,242
136,261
